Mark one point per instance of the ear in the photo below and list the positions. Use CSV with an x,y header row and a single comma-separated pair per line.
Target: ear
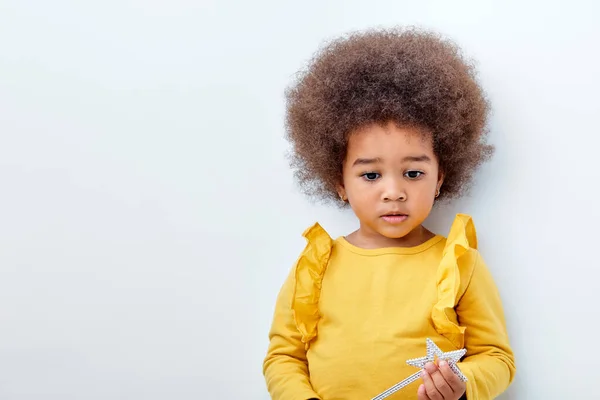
x,y
440,182
441,177
342,192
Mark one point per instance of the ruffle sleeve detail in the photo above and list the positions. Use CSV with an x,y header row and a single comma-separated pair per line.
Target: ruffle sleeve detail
x,y
461,239
309,271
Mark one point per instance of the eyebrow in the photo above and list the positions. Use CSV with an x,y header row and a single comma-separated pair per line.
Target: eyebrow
x,y
421,158
367,161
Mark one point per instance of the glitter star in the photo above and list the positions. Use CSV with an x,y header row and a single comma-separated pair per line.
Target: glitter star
x,y
451,357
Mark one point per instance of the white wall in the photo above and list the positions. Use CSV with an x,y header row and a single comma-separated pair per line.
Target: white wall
x,y
148,218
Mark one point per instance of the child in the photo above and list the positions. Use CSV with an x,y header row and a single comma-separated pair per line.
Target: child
x,y
388,122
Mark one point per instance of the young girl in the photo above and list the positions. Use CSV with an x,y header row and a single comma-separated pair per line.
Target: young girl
x,y
388,122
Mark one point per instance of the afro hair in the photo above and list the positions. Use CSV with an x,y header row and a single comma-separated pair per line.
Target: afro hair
x,y
409,76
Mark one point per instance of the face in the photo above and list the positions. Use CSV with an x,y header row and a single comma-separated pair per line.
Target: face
x,y
390,178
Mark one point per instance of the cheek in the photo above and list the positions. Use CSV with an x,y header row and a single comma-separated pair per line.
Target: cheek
x,y
427,189
362,194
424,193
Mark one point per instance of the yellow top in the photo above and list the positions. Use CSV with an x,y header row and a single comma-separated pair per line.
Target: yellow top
x,y
347,318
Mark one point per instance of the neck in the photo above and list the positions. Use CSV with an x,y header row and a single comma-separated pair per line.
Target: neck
x,y
372,240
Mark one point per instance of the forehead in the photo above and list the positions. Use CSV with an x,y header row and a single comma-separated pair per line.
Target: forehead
x,y
389,141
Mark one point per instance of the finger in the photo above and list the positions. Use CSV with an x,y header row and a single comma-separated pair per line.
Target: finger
x,y
422,393
441,385
453,380
430,388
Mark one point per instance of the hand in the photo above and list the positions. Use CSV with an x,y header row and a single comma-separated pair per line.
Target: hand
x,y
440,383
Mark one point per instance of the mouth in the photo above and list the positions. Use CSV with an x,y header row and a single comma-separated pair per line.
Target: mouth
x,y
394,217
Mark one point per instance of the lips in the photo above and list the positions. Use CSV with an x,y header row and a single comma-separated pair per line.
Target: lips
x,y
394,217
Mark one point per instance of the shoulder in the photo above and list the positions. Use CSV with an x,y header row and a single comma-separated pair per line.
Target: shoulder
x,y
307,276
316,234
461,256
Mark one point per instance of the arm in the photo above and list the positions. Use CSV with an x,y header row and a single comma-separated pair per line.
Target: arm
x,y
285,367
489,365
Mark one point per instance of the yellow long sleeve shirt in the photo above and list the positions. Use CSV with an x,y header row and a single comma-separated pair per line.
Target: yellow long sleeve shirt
x,y
347,319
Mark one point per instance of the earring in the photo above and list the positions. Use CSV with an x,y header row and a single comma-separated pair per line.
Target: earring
x,y
342,198
437,193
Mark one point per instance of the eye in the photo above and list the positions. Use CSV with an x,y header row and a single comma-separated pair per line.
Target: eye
x,y
413,174
370,176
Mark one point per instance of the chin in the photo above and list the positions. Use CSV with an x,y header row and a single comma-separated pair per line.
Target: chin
x,y
394,232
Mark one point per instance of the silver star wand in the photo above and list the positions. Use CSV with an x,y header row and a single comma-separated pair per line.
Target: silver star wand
x,y
451,357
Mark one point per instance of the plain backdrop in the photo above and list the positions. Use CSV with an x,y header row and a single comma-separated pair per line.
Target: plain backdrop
x,y
148,216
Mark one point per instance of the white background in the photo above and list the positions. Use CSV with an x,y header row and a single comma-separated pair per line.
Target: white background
x,y
148,217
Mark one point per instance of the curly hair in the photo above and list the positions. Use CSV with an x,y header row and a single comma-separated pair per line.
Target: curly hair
x,y
409,76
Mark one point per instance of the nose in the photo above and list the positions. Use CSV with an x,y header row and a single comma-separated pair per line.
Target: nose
x,y
394,191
